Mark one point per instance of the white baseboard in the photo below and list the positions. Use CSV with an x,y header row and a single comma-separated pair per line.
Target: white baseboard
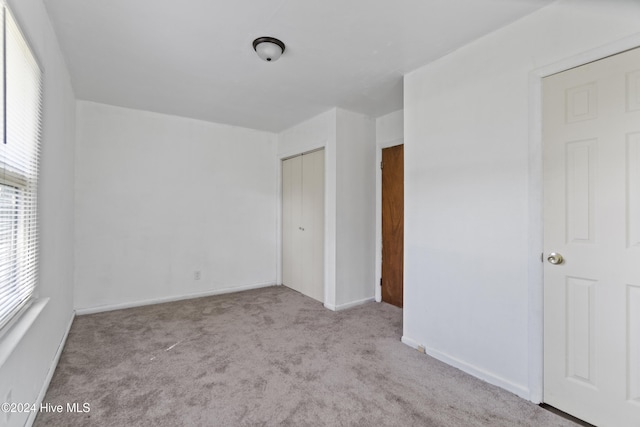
x,y
121,306
349,304
470,369
408,341
52,369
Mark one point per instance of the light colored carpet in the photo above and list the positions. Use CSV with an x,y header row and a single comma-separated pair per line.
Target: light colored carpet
x,y
266,357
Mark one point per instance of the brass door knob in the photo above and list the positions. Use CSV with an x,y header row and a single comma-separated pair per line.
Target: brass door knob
x,y
555,258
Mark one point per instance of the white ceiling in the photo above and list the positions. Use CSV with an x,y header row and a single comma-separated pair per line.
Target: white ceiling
x,y
194,58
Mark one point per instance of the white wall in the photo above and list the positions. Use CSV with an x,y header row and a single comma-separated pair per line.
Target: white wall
x,y
28,350
355,196
390,129
317,132
389,133
349,142
472,191
159,197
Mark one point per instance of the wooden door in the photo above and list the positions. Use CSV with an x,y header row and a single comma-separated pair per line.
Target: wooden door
x,y
303,224
392,224
591,132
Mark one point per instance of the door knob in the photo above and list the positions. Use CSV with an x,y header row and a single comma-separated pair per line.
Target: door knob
x,y
555,258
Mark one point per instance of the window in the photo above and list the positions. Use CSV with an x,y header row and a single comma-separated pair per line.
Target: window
x,y
20,124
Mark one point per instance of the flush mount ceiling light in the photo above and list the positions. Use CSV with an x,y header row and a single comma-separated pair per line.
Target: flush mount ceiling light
x,y
268,48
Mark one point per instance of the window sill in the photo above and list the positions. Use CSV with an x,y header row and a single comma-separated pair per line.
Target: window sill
x,y
12,337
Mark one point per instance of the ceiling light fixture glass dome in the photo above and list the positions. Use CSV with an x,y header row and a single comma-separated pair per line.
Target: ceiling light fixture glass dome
x,y
268,48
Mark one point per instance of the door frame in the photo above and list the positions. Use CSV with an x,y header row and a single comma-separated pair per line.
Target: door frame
x,y
378,261
329,148
535,201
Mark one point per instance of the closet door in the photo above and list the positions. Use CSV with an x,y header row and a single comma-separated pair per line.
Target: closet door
x,y
313,224
291,221
303,224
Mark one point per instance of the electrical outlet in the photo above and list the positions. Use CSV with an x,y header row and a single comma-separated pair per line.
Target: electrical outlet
x,y
196,275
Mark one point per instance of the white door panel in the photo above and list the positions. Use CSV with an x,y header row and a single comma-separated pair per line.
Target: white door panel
x,y
291,219
303,224
591,133
313,224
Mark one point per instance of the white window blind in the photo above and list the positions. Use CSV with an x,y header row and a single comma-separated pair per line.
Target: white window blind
x,y
20,122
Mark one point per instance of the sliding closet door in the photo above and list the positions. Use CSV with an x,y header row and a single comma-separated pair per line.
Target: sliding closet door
x,y
303,224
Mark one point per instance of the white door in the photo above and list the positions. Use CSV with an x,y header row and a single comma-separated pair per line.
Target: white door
x,y
591,133
303,224
313,224
291,221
